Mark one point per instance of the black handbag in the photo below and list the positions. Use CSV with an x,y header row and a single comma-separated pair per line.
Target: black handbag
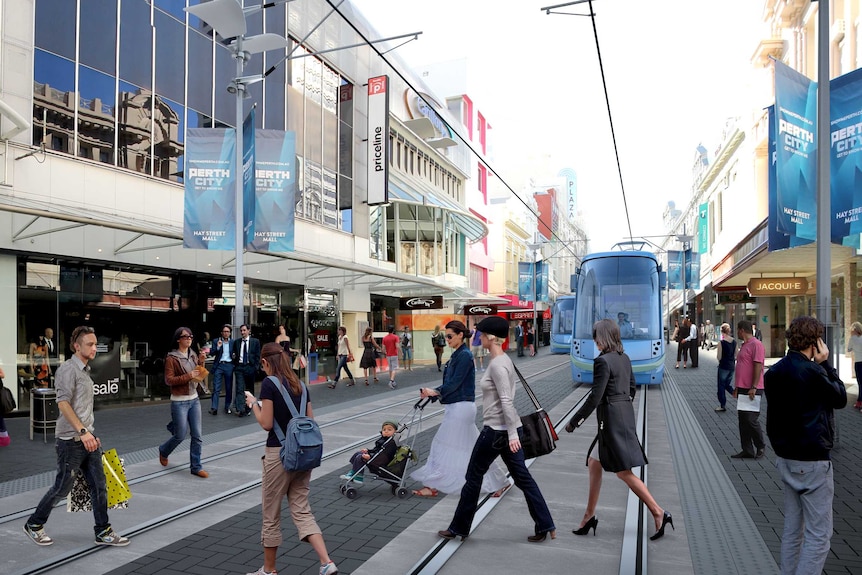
x,y
6,399
540,438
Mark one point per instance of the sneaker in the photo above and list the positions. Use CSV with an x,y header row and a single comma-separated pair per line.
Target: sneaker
x,y
262,572
328,569
760,453
110,537
357,479
5,440
392,384
720,408
37,535
347,476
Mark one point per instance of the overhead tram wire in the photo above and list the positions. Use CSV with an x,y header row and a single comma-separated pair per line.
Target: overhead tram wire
x,y
448,125
592,15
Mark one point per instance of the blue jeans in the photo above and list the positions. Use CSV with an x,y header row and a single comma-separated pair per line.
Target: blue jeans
x,y
71,456
406,353
808,492
725,384
342,364
492,443
244,380
185,417
223,376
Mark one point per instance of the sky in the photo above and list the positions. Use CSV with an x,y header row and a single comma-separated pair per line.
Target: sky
x,y
675,70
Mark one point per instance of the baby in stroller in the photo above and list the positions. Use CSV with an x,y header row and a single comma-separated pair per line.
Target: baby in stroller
x,y
375,458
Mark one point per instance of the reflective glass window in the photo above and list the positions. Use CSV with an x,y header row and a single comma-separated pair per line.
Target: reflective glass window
x,y
170,57
53,86
96,112
200,72
275,19
274,102
99,29
134,113
136,43
195,119
173,7
168,139
55,26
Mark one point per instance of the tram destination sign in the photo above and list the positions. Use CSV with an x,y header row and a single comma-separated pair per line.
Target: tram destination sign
x,y
421,302
777,286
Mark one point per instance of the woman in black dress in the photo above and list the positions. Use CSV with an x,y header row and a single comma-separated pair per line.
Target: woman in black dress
x,y
619,449
369,354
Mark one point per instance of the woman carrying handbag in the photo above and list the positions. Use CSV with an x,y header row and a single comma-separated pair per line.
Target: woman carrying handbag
x,y
619,450
500,436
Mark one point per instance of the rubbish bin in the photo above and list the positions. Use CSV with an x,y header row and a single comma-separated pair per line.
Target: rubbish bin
x,y
43,411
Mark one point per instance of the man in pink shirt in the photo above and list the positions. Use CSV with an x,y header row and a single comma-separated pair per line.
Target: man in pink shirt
x,y
749,391
390,345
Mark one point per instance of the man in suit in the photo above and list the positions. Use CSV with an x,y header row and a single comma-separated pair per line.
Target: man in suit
x,y
519,338
221,351
246,358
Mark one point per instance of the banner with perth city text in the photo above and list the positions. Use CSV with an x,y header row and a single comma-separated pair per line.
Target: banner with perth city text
x,y
378,140
845,158
796,157
248,153
776,240
275,191
210,189
525,281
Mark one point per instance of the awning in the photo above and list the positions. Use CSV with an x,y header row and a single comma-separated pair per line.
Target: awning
x,y
473,228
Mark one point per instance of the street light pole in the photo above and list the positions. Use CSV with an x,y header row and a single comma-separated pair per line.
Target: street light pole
x,y
239,278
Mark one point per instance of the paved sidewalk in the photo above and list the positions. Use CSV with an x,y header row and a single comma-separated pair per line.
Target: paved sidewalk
x,y
758,482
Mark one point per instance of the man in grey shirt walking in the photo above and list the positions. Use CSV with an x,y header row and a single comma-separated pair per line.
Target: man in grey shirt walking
x,y
77,447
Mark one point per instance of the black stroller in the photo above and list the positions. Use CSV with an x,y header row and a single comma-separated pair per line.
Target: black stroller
x,y
395,472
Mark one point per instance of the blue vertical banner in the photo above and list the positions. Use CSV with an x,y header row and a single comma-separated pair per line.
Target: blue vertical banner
x,y
248,196
542,281
692,269
703,229
776,239
525,281
845,158
796,161
275,191
674,269
210,188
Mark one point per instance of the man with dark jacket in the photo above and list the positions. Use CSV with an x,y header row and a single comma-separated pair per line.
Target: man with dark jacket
x,y
802,389
246,359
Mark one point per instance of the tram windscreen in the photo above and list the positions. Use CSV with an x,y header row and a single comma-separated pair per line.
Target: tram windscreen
x,y
624,289
564,316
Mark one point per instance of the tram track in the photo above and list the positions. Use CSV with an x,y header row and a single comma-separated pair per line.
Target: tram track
x,y
156,522
633,556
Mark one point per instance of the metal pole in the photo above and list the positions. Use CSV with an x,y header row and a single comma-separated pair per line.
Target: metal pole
x,y
239,307
535,302
824,206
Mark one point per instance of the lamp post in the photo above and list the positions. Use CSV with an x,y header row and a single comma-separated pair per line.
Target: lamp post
x,y
534,250
227,17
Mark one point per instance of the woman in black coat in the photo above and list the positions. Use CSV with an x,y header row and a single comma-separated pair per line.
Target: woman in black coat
x,y
619,449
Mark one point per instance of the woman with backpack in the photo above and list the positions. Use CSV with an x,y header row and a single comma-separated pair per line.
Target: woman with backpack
x,y
438,340
278,483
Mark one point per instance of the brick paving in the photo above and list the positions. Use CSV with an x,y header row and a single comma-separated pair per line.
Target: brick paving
x,y
758,482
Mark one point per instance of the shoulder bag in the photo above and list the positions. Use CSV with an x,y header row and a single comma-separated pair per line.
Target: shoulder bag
x,y
7,398
540,438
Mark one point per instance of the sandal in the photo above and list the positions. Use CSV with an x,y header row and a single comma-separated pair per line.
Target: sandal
x,y
425,492
501,491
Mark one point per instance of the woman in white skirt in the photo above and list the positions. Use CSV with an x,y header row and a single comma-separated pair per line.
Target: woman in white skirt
x,y
450,450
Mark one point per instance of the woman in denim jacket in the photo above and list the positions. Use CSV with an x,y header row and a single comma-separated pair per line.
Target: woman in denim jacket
x,y
450,450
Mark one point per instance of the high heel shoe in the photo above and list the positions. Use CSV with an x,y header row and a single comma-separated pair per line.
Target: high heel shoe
x,y
446,534
592,523
539,537
667,519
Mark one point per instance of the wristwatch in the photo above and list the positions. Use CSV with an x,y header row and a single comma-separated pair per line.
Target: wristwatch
x,y
83,431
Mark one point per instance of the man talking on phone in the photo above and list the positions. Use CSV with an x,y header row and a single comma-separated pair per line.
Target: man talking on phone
x,y
802,390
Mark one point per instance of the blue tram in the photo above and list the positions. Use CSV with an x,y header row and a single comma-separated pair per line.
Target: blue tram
x,y
625,286
561,324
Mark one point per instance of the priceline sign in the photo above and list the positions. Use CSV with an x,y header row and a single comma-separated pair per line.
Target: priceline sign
x,y
378,140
